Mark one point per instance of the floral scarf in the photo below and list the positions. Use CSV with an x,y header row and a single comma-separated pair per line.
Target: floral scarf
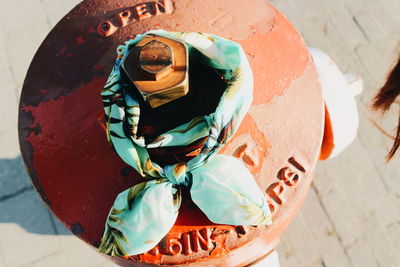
x,y
221,186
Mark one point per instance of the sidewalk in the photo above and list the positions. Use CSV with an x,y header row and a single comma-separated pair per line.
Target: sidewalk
x,y
351,216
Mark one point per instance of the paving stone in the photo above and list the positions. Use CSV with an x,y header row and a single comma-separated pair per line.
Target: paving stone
x,y
340,28
376,237
347,178
9,144
360,254
323,180
361,184
21,48
2,261
378,64
3,53
374,247
9,107
379,145
341,216
20,14
77,252
297,247
365,200
393,232
372,185
26,230
106,264
56,259
377,55
369,19
57,9
323,232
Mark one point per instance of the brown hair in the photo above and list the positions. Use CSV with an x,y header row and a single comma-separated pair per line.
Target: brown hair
x,y
384,100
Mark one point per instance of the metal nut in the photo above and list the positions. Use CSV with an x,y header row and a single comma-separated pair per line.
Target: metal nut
x,y
155,59
158,67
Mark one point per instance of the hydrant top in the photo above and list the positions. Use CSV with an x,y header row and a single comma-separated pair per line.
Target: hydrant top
x,y
78,175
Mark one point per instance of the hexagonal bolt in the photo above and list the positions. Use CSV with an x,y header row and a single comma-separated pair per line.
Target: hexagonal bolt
x,y
155,59
158,67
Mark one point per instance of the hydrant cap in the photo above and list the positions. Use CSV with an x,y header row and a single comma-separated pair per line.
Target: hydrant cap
x,y
158,67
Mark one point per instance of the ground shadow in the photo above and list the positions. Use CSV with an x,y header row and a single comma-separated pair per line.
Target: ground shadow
x,y
20,204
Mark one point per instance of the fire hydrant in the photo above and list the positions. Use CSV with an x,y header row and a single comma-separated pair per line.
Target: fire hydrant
x,y
63,127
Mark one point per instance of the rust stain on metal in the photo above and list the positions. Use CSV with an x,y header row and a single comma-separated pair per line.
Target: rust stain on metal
x,y
24,131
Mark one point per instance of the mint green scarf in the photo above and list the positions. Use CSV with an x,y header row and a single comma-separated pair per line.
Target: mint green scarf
x,y
221,186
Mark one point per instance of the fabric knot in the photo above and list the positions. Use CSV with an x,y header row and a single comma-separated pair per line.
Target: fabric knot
x,y
221,186
176,174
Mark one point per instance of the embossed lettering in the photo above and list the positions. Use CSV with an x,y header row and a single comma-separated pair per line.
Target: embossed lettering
x,y
296,164
187,247
187,243
164,6
239,152
288,177
201,239
142,11
134,13
124,17
107,28
272,205
275,191
174,247
247,154
193,241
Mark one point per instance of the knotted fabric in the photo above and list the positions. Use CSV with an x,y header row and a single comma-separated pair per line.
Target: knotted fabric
x,y
221,186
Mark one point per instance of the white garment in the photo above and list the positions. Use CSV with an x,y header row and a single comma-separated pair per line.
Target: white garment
x,y
339,93
271,260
